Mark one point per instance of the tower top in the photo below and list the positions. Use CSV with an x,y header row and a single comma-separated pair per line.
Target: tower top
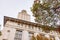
x,y
24,15
24,11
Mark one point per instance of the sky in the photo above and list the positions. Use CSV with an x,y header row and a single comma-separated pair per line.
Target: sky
x,y
12,7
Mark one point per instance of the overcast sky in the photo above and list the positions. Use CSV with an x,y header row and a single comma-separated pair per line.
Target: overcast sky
x,y
12,7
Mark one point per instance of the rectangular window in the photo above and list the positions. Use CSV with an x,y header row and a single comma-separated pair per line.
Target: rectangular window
x,y
18,35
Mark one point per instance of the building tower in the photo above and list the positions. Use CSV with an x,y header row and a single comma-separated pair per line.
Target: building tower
x,y
24,16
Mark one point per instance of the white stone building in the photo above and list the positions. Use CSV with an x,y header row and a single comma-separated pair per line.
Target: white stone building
x,y
21,28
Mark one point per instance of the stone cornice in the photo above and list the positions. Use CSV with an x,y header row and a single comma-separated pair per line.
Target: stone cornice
x,y
20,21
23,22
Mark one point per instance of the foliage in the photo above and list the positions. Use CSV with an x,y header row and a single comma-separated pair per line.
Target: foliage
x,y
39,37
0,33
33,38
42,37
45,13
46,29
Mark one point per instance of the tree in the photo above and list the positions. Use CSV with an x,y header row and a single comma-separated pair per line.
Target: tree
x,y
33,38
40,37
46,12
0,33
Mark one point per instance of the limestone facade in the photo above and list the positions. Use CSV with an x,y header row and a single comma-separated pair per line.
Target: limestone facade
x,y
22,29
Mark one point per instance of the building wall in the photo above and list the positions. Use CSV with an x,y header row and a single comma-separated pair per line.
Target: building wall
x,y
13,26
8,33
10,28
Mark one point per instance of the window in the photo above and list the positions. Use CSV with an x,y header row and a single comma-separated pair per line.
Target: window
x,y
34,27
30,27
27,26
21,25
8,30
18,35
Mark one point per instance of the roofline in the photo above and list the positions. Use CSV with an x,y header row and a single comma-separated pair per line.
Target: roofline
x,y
21,21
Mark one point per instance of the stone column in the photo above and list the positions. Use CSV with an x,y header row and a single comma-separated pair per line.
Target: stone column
x,y
25,35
